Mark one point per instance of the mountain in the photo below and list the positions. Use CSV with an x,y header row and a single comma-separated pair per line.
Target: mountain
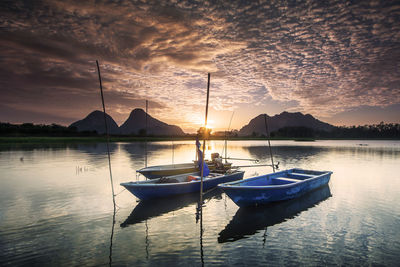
x,y
137,122
285,119
95,122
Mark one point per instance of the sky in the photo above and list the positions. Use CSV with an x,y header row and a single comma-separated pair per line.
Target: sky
x,y
336,60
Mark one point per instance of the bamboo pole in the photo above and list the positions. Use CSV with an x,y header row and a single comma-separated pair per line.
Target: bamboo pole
x,y
226,141
269,143
145,140
173,152
108,137
204,143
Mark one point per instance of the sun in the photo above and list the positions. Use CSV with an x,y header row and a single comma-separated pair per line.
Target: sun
x,y
209,124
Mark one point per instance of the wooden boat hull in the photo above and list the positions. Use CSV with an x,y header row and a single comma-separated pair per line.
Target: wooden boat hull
x,y
155,172
275,187
151,189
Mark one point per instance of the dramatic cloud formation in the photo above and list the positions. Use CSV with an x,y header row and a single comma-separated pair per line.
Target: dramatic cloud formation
x,y
324,58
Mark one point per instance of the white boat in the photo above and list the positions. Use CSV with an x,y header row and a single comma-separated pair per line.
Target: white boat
x,y
154,172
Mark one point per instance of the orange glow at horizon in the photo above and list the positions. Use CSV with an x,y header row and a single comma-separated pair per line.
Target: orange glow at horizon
x,y
210,124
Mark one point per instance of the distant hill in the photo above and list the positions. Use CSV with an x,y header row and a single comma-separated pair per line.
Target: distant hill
x,y
95,122
285,119
136,123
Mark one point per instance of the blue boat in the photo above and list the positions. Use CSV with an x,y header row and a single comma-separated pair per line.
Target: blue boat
x,y
274,187
179,184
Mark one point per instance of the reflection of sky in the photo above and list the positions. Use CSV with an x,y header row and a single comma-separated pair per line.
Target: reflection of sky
x,y
338,61
50,210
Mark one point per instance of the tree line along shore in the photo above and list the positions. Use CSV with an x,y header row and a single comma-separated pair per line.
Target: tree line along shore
x,y
37,133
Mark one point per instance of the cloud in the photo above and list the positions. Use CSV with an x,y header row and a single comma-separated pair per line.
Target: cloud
x,y
327,58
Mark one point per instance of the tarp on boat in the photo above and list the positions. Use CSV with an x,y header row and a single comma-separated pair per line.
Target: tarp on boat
x,y
206,170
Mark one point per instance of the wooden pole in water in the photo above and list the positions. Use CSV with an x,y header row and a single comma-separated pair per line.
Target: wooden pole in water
x,y
145,140
173,152
204,143
226,141
269,143
226,146
147,106
108,137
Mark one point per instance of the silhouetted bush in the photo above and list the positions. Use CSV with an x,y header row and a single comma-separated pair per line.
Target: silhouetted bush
x,y
30,129
381,130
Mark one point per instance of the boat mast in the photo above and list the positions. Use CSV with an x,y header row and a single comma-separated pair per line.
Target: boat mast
x,y
204,143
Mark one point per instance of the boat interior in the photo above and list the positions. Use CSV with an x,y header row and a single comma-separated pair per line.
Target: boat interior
x,y
279,178
169,167
181,178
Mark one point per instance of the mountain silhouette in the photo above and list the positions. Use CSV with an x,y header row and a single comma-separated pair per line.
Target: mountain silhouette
x,y
136,123
95,122
285,119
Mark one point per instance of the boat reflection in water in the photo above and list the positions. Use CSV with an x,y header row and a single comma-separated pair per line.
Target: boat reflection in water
x,y
249,220
147,209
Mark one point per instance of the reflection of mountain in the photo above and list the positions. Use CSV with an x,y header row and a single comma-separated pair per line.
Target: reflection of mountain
x,y
248,221
33,146
138,148
137,151
95,154
285,152
295,153
157,207
96,148
88,148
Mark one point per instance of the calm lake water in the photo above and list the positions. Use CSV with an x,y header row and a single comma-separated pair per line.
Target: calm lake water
x,y
56,208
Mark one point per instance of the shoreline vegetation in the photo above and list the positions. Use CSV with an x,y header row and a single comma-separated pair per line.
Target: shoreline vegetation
x,y
31,133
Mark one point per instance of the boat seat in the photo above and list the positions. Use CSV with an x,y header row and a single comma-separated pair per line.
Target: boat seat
x,y
302,174
288,179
